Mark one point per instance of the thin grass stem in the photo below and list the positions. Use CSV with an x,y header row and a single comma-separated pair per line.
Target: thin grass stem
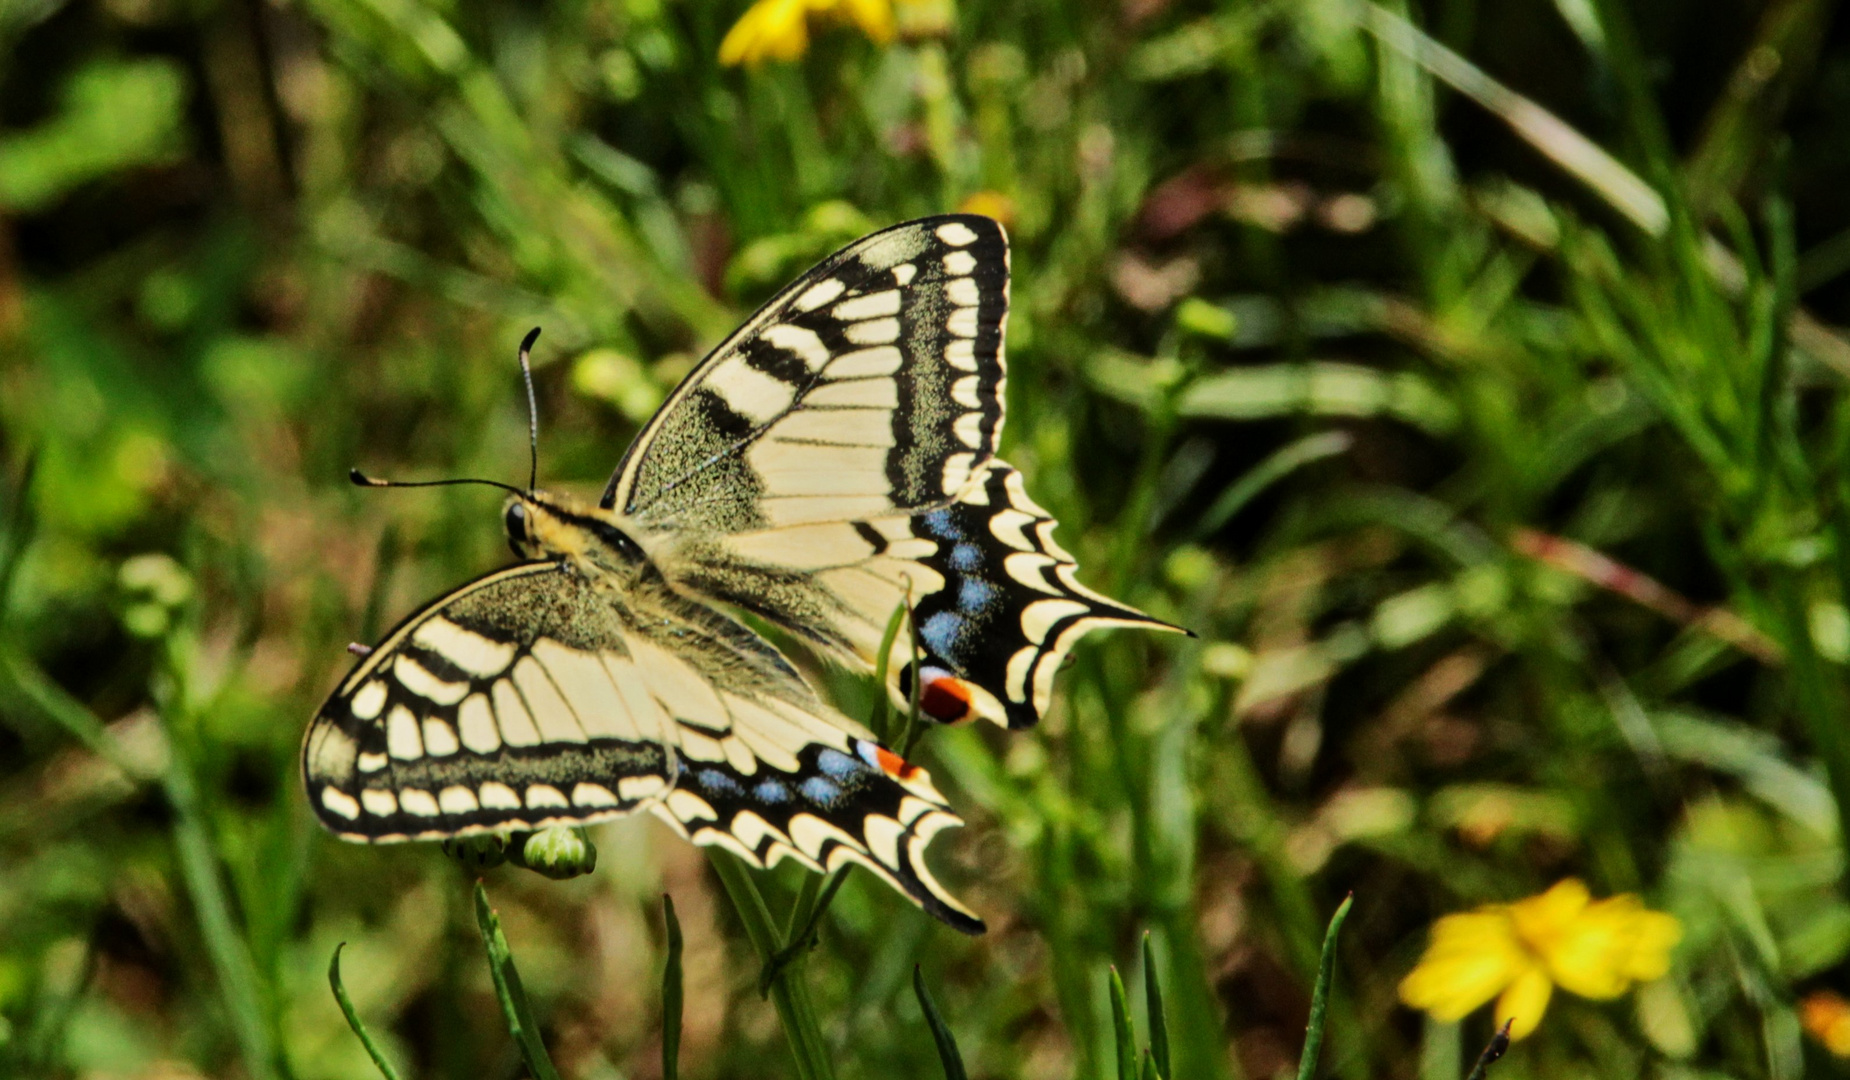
x,y
1153,1005
515,1008
1320,993
1499,1045
353,1017
672,993
948,1054
787,992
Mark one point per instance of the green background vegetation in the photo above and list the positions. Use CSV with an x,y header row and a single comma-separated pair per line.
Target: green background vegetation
x,y
1313,316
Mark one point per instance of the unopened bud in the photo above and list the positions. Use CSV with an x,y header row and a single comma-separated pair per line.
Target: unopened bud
x,y
561,852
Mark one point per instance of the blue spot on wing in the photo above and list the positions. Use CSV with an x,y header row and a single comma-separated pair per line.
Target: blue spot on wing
x,y
771,791
975,595
718,782
942,524
838,764
966,557
942,631
821,791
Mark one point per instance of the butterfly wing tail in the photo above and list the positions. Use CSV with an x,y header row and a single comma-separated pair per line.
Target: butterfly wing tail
x,y
867,807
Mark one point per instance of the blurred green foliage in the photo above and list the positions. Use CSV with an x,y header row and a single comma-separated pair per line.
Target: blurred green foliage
x,y
1465,375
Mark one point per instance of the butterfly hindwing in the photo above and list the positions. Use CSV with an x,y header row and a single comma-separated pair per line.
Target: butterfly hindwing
x,y
1006,609
534,697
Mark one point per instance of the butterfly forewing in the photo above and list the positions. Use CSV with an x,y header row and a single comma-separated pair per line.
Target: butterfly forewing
x,y
873,383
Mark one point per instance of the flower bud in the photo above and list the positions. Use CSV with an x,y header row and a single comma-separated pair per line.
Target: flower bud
x,y
561,852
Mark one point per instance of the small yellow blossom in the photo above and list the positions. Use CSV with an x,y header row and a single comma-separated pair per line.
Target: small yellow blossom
x,y
779,29
990,204
1519,953
1826,1016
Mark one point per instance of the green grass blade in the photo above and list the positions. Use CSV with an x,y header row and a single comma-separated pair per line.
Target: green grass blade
x,y
353,1018
671,994
940,1032
1278,465
913,727
788,993
514,1006
1149,1068
1121,1026
1320,994
226,948
805,916
225,944
1582,158
882,719
1499,1044
17,528
1153,1003
802,914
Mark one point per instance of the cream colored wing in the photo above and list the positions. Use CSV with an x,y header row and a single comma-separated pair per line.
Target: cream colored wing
x,y
529,698
874,383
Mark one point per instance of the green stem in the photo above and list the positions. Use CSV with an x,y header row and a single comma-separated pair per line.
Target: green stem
x,y
1254,818
805,915
1320,994
788,993
1820,699
1499,1044
226,948
353,1017
672,993
229,953
515,1008
948,1055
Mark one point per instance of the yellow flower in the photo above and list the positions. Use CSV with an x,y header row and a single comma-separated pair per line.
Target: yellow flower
x,y
990,204
779,29
1522,951
1826,1016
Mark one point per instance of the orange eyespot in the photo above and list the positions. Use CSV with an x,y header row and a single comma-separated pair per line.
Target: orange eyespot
x,y
945,699
894,765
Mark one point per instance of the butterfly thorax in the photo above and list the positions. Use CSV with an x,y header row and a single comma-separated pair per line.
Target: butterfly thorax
x,y
549,527
592,544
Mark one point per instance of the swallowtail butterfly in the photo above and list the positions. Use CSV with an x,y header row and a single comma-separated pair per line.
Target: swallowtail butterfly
x,y
831,460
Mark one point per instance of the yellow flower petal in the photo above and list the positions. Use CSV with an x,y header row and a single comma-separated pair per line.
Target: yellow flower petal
x,y
990,204
1612,944
769,29
1653,938
1592,955
874,17
1524,1002
1471,959
1826,1016
779,29
1540,919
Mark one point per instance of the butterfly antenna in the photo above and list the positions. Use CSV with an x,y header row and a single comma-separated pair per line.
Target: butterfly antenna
x,y
360,479
533,412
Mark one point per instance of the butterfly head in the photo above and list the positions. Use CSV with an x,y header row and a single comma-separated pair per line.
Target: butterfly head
x,y
544,526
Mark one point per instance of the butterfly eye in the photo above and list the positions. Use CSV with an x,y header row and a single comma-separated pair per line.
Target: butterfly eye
x,y
516,521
